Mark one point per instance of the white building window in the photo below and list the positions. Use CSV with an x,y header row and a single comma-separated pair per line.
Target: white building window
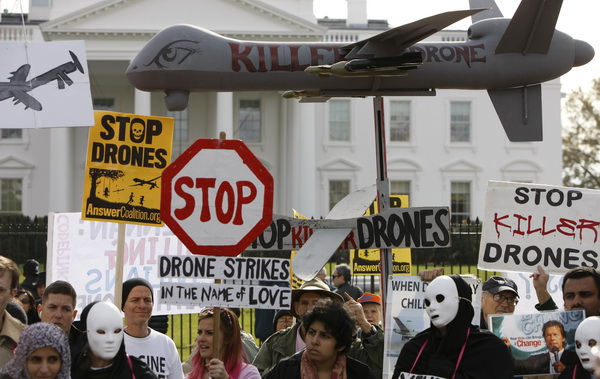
x,y
338,189
104,104
400,121
180,125
400,187
460,121
460,202
11,195
339,120
12,134
249,127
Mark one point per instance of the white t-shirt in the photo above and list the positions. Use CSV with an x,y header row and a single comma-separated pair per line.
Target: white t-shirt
x,y
158,351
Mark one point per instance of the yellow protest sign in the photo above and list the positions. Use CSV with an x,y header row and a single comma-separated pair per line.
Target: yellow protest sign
x,y
125,159
366,262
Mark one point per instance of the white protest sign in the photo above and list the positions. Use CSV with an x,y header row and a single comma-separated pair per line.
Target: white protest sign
x,y
526,225
83,253
406,316
226,295
234,268
44,85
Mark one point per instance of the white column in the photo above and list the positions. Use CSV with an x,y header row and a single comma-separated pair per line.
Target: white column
x,y
142,103
60,191
224,114
305,158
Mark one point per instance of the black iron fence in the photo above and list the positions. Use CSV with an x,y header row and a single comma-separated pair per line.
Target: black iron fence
x,y
22,238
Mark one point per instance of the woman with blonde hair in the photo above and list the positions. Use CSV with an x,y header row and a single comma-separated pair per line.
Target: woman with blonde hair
x,y
230,362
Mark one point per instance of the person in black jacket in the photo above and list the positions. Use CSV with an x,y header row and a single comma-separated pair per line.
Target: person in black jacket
x,y
100,351
330,331
452,347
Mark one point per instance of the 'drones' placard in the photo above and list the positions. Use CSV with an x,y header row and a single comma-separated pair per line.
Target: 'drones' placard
x,y
226,295
526,225
236,268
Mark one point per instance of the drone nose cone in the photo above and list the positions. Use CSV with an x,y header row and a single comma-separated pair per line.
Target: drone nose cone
x,y
584,52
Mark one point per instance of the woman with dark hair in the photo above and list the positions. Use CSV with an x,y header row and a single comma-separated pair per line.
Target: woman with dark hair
x,y
42,352
452,347
100,352
25,298
231,360
330,332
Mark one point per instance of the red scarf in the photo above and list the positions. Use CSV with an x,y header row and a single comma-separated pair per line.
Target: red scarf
x,y
308,370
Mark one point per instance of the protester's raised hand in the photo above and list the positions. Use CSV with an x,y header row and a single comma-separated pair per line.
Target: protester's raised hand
x,y
430,274
357,310
540,284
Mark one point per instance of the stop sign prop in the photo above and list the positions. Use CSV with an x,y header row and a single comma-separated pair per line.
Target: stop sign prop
x,y
217,197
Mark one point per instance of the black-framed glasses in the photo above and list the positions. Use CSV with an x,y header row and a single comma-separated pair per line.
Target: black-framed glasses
x,y
225,311
24,300
512,300
334,276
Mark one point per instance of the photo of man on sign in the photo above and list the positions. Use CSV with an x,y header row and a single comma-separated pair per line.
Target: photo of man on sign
x,y
541,343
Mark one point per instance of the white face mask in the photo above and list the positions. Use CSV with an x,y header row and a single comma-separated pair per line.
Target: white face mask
x,y
105,330
587,336
441,301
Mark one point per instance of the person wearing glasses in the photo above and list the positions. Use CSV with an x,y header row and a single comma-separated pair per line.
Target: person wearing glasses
x,y
500,295
231,361
25,298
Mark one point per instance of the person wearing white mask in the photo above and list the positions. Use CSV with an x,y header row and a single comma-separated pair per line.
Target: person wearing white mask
x,y
452,347
587,336
100,352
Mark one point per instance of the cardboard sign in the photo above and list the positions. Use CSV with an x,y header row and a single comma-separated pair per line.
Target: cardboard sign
x,y
366,261
529,346
526,225
44,85
126,156
396,227
236,268
83,253
406,315
226,295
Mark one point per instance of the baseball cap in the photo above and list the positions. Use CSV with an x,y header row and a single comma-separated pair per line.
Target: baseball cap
x,y
369,298
31,266
497,284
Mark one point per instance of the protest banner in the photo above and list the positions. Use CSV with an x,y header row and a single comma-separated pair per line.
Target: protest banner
x,y
366,261
537,339
225,294
406,315
396,227
526,225
49,86
126,156
83,253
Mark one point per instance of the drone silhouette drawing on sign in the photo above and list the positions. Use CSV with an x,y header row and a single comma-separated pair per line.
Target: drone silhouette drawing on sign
x,y
18,85
141,182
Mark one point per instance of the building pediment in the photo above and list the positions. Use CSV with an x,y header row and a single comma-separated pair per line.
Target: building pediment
x,y
521,166
403,165
461,166
13,163
339,165
233,18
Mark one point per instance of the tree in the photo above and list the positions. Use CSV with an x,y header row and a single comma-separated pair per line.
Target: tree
x,y
581,138
97,173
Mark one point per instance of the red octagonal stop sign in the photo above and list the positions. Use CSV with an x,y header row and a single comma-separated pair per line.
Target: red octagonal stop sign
x,y
217,197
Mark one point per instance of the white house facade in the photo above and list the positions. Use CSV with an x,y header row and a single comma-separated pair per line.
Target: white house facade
x,y
441,150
